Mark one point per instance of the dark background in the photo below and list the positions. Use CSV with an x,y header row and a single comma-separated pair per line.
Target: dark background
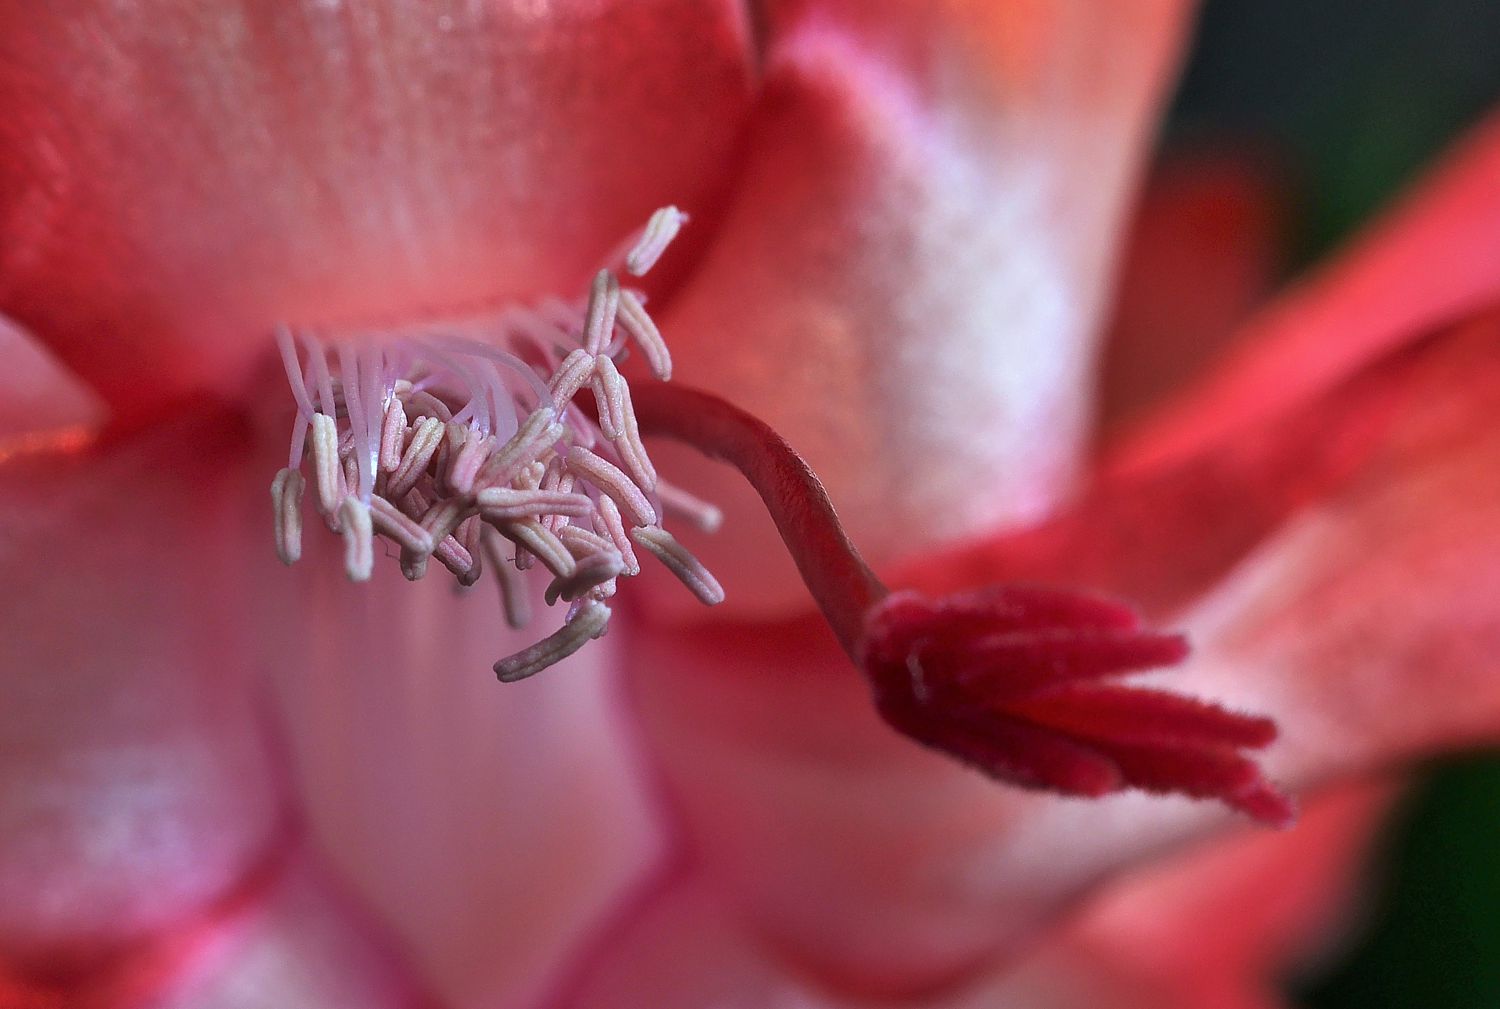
x,y
1356,96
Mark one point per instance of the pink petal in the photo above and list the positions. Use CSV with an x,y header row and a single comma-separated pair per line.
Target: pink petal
x,y
1215,929
173,184
1237,914
147,613
487,823
907,282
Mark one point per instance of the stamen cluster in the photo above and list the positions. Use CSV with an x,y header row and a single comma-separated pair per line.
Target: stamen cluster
x,y
462,443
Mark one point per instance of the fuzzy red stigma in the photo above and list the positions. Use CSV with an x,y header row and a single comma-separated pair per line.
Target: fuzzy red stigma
x,y
1018,682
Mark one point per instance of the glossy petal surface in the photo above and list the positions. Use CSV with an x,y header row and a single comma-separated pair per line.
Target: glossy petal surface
x,y
177,177
912,268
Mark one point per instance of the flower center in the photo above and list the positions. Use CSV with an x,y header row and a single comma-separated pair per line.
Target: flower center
x,y
461,441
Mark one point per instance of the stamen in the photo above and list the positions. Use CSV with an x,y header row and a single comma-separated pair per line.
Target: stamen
x,y
542,542
609,478
392,435
325,452
592,570
359,539
468,536
431,441
444,516
680,561
504,504
452,555
604,303
679,503
394,524
631,449
582,543
609,522
465,467
607,385
577,368
660,230
588,623
634,320
425,439
513,600
538,434
286,500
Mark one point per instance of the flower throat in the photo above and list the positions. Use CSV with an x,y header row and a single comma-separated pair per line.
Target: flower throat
x,y
462,442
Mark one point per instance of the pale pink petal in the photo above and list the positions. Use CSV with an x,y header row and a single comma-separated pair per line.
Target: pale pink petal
x,y
1238,913
908,282
42,404
303,944
137,786
1216,929
175,180
147,612
488,823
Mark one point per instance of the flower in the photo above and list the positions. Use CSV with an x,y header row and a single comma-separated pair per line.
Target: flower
x,y
885,188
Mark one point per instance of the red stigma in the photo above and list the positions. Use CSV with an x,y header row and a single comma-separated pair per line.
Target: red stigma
x,y
1019,682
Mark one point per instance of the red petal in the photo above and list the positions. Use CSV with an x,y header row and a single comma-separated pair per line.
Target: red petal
x,y
1204,250
173,184
1432,259
42,404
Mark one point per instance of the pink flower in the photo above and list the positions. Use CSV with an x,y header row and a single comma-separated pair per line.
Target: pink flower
x,y
228,783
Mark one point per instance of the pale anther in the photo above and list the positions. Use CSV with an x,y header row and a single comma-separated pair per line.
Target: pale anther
x,y
583,543
592,570
359,539
286,500
676,501
609,522
326,465
612,481
599,320
514,602
608,398
542,542
660,230
688,569
392,435
588,623
539,433
575,371
501,504
394,524
425,439
634,320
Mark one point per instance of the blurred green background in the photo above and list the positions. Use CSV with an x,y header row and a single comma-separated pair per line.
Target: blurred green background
x,y
1356,96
